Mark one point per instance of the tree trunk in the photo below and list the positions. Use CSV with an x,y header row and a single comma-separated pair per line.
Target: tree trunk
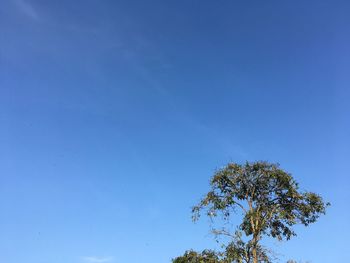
x,y
255,255
255,249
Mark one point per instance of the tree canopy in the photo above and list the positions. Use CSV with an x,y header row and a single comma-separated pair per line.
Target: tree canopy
x,y
206,256
270,202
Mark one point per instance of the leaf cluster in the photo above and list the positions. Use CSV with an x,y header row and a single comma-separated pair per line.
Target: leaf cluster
x,y
206,256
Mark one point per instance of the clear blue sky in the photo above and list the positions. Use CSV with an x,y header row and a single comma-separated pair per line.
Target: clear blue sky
x,y
114,115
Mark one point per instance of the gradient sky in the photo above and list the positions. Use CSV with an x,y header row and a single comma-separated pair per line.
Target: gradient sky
x,y
114,115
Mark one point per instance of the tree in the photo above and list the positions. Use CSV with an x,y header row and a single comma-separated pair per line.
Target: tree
x,y
270,203
207,256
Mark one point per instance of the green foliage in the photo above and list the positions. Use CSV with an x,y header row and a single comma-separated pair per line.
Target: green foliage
x,y
238,250
269,201
207,256
268,197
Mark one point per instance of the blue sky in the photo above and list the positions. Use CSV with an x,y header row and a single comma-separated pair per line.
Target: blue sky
x,y
114,115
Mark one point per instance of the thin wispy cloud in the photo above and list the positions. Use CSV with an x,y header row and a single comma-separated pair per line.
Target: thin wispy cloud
x,y
98,259
27,9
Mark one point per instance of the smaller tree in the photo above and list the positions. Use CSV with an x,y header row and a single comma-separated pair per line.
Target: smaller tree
x,y
207,256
